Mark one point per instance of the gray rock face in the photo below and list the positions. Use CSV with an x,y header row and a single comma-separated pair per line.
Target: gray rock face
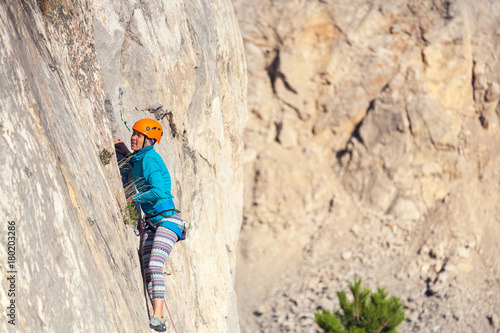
x,y
373,130
67,70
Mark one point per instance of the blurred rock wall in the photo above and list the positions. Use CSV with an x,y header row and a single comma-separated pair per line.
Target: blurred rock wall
x,y
359,112
68,69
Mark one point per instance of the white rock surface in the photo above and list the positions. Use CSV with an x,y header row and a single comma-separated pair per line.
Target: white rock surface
x,y
61,71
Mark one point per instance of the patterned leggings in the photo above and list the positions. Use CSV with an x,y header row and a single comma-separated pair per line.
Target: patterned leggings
x,y
156,247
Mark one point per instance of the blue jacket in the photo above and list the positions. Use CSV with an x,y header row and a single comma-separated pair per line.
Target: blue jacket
x,y
152,180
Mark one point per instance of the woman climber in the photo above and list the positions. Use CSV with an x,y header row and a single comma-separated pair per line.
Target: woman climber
x,y
162,227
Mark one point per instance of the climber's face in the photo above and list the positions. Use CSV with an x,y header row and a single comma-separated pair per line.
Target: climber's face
x,y
137,140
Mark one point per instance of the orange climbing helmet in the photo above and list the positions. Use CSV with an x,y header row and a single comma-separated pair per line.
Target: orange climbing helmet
x,y
150,128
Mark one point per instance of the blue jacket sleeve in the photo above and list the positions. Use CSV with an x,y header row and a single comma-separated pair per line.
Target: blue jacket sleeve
x,y
153,176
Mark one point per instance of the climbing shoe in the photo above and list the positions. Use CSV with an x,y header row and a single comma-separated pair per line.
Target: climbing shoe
x,y
157,324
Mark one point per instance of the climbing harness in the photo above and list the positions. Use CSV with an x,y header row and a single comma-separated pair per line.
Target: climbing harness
x,y
168,216
122,114
165,213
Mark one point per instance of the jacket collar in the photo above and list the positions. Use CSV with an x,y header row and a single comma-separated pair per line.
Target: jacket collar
x,y
139,155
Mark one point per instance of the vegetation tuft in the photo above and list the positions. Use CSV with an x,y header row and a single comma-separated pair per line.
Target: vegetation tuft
x,y
367,312
105,156
48,6
131,216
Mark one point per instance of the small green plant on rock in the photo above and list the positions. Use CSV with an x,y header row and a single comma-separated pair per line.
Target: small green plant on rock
x,y
131,216
367,312
105,156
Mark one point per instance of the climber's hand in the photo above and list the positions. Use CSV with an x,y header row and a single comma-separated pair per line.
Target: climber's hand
x,y
121,148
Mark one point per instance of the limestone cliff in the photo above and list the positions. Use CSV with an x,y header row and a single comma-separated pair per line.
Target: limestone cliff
x,y
372,150
67,71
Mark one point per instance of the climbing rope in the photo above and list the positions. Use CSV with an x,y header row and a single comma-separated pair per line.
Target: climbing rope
x,y
122,114
175,329
141,232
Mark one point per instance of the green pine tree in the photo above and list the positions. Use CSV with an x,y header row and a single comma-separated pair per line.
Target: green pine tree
x,y
367,312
